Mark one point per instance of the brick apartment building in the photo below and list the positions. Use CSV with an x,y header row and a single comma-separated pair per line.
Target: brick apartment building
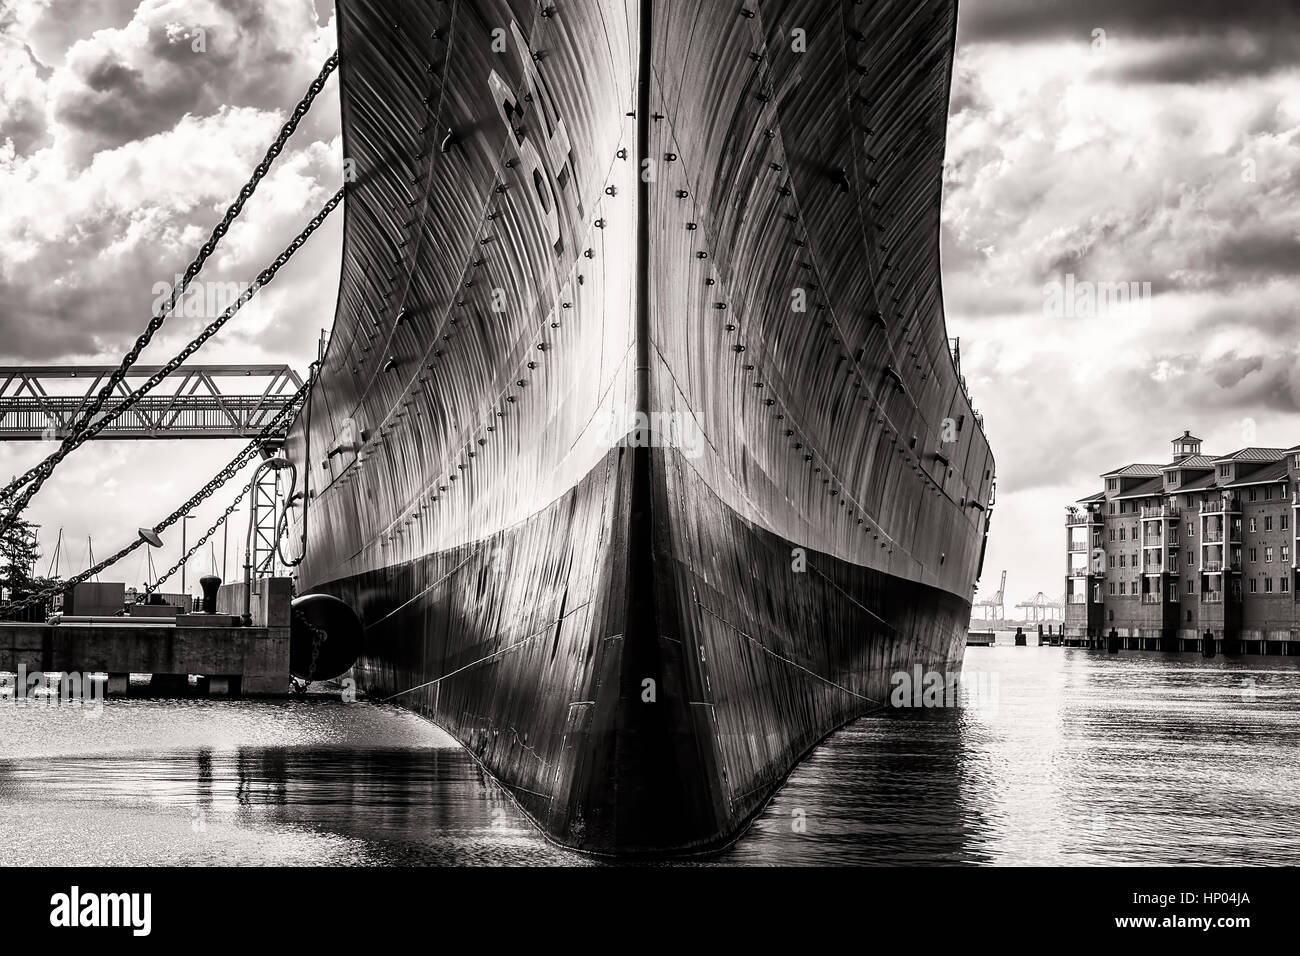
x,y
1206,543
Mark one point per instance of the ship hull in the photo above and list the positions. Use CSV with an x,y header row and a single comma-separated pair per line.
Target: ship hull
x,y
638,447
638,709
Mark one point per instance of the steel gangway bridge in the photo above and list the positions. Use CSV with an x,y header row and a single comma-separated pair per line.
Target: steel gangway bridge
x,y
42,403
67,406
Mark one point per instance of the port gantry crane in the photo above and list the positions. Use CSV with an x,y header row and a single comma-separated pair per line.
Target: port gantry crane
x,y
995,607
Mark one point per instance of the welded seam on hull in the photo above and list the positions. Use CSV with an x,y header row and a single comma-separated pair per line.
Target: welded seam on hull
x,y
767,650
553,285
510,647
806,432
335,573
806,436
713,239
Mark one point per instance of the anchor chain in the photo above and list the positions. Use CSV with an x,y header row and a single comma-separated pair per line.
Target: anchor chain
x,y
224,475
42,471
243,493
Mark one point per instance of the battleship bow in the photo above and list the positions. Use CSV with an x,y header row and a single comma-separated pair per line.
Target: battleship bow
x,y
638,445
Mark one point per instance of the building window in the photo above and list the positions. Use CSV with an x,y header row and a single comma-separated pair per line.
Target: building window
x,y
1285,556
1112,562
1284,584
1121,587
1121,560
1286,521
1112,587
1173,590
1268,553
1268,492
1253,587
1191,587
1112,484
1112,534
1112,507
1268,585
1189,524
1173,533
1268,522
1254,555
1252,525
1252,494
1121,533
1224,470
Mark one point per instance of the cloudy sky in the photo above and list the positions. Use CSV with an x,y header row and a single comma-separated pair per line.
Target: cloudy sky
x,y
1154,142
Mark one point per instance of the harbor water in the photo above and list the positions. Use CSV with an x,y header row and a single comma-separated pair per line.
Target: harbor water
x,y
1070,756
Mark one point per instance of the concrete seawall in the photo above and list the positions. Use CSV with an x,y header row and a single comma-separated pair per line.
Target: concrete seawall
x,y
252,661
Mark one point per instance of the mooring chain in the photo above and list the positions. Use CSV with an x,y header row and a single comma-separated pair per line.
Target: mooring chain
x,y
223,476
319,637
41,472
243,493
72,442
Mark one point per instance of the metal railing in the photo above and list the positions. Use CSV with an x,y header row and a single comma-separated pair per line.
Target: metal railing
x,y
1221,505
206,402
1161,511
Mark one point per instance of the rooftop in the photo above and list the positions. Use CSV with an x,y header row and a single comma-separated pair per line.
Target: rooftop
x,y
1156,486
1135,470
1274,471
1255,454
1194,461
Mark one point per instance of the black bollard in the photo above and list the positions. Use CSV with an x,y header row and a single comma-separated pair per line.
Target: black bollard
x,y
1021,640
1207,644
1112,642
210,583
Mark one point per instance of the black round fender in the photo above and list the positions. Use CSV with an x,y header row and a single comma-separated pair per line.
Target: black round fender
x,y
325,637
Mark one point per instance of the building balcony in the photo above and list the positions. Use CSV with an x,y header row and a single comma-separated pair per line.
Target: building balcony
x,y
1170,512
1083,517
1221,504
1151,598
1212,537
1083,572
1211,597
1077,599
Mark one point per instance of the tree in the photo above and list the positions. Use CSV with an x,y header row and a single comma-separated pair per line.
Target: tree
x,y
18,556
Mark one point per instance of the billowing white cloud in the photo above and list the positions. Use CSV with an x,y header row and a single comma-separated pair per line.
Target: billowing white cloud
x,y
1118,164
121,145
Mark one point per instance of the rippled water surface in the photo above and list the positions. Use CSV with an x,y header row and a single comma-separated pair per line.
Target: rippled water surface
x,y
1082,757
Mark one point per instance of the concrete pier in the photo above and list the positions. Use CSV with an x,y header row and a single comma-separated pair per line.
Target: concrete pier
x,y
246,661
